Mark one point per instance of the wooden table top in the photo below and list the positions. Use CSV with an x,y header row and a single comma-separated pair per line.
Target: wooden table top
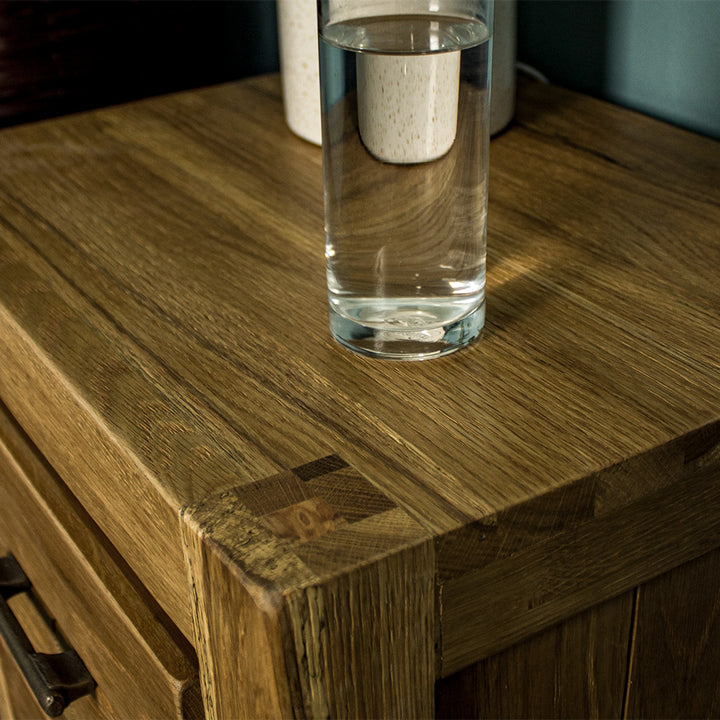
x,y
164,341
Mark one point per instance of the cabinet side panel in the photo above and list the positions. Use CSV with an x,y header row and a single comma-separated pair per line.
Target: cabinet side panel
x,y
620,540
238,640
365,639
676,663
571,670
314,596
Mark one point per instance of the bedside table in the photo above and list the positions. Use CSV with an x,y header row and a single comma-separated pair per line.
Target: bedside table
x,y
221,513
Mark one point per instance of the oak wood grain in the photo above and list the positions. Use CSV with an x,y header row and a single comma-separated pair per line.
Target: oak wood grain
x,y
239,640
173,167
160,132
312,634
676,651
113,625
22,704
164,342
576,669
5,707
586,555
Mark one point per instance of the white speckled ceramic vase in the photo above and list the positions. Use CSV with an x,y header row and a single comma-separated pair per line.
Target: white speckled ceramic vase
x,y
298,40
297,33
504,55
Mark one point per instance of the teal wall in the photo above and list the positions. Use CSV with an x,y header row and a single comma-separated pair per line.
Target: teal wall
x,y
661,57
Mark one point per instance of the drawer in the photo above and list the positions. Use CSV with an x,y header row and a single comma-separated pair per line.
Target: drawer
x,y
83,595
16,698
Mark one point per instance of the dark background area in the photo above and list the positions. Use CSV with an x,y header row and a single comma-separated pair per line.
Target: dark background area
x,y
579,60
61,56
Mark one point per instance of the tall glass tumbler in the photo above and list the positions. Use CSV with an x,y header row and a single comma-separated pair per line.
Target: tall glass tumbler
x,y
405,90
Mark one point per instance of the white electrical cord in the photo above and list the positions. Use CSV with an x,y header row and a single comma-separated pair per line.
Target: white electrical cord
x,y
532,72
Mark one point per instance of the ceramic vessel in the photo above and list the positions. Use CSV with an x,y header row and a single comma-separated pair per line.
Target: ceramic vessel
x,y
298,40
406,138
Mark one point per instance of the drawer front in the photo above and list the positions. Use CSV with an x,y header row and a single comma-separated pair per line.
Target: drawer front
x,y
141,664
16,698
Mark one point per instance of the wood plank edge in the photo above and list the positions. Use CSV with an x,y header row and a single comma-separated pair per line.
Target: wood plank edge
x,y
644,539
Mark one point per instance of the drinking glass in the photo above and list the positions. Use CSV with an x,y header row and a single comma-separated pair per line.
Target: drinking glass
x,y
404,88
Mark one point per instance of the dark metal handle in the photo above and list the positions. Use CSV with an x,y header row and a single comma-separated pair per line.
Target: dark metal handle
x,y
56,680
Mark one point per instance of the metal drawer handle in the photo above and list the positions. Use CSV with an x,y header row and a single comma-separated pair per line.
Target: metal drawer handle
x,y
57,679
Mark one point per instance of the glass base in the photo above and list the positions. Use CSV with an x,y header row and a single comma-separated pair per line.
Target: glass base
x,y
407,343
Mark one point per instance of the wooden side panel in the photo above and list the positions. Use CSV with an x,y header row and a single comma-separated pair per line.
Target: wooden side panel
x,y
576,669
239,640
676,662
364,641
313,597
606,534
